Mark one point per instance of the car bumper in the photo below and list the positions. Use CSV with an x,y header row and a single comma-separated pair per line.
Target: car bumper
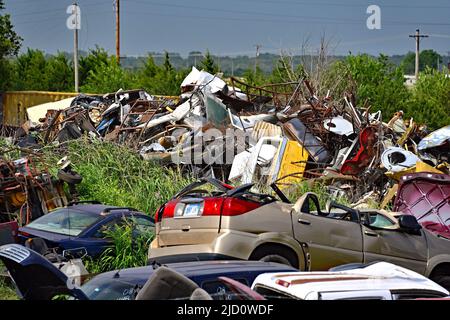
x,y
228,245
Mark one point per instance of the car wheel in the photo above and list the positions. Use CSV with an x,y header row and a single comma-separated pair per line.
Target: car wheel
x,y
275,253
443,281
276,258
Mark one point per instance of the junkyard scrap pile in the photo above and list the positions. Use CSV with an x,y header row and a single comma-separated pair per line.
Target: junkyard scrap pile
x,y
280,133
26,192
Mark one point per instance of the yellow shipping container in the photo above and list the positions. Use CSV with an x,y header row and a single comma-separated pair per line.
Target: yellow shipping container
x,y
15,104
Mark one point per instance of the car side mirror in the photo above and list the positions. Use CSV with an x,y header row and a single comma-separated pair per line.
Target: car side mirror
x,y
409,223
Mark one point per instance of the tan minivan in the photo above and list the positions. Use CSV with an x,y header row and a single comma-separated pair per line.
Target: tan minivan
x,y
201,222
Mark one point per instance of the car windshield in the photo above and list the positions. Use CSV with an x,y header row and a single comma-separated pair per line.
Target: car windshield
x,y
65,221
110,289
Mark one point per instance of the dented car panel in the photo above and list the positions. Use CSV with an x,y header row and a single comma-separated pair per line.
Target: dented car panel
x,y
427,197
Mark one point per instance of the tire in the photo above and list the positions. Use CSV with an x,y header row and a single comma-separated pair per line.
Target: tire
x,y
70,178
443,281
275,253
276,258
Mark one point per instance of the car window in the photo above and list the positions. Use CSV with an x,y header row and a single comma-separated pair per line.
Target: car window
x,y
271,294
100,289
143,225
107,227
65,221
310,206
219,291
416,294
365,294
377,220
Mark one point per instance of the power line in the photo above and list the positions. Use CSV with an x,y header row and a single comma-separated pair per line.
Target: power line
x,y
340,4
315,20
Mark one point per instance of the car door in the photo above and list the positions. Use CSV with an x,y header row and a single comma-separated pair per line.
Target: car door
x,y
383,241
329,241
96,240
143,225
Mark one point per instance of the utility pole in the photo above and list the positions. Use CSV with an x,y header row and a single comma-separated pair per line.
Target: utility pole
x,y
258,46
75,46
117,8
417,36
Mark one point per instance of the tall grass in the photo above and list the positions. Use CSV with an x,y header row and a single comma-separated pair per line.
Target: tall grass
x,y
116,175
128,250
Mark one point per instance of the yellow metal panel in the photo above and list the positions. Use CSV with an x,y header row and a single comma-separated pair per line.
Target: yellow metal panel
x,y
293,164
15,103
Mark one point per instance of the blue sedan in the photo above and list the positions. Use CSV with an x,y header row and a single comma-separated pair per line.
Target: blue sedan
x,y
84,225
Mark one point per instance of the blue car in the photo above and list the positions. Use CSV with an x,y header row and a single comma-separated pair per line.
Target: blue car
x,y
23,264
84,225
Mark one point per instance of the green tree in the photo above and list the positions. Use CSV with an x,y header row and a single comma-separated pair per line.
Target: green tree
x,y
9,46
408,63
30,71
9,40
167,65
427,58
94,59
255,77
208,64
59,73
107,77
430,101
150,68
378,81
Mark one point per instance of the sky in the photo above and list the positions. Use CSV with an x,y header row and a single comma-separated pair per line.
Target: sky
x,y
234,27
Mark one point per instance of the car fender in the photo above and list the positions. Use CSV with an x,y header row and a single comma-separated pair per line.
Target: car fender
x,y
282,239
435,261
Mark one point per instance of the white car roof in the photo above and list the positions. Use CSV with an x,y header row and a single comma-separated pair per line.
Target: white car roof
x,y
377,276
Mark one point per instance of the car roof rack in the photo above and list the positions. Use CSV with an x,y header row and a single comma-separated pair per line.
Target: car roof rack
x,y
109,209
72,203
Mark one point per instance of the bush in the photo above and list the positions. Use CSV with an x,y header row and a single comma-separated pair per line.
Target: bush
x,y
378,81
430,100
107,77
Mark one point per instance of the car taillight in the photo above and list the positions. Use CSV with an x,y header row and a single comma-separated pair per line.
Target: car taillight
x,y
283,283
236,206
167,210
229,206
211,207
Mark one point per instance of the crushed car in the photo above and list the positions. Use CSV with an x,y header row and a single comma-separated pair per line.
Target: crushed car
x,y
377,281
235,222
218,280
82,225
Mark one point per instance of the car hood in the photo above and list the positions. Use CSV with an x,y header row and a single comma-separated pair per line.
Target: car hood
x,y
47,235
427,197
35,277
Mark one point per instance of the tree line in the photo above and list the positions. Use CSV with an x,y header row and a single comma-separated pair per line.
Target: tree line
x,y
376,81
